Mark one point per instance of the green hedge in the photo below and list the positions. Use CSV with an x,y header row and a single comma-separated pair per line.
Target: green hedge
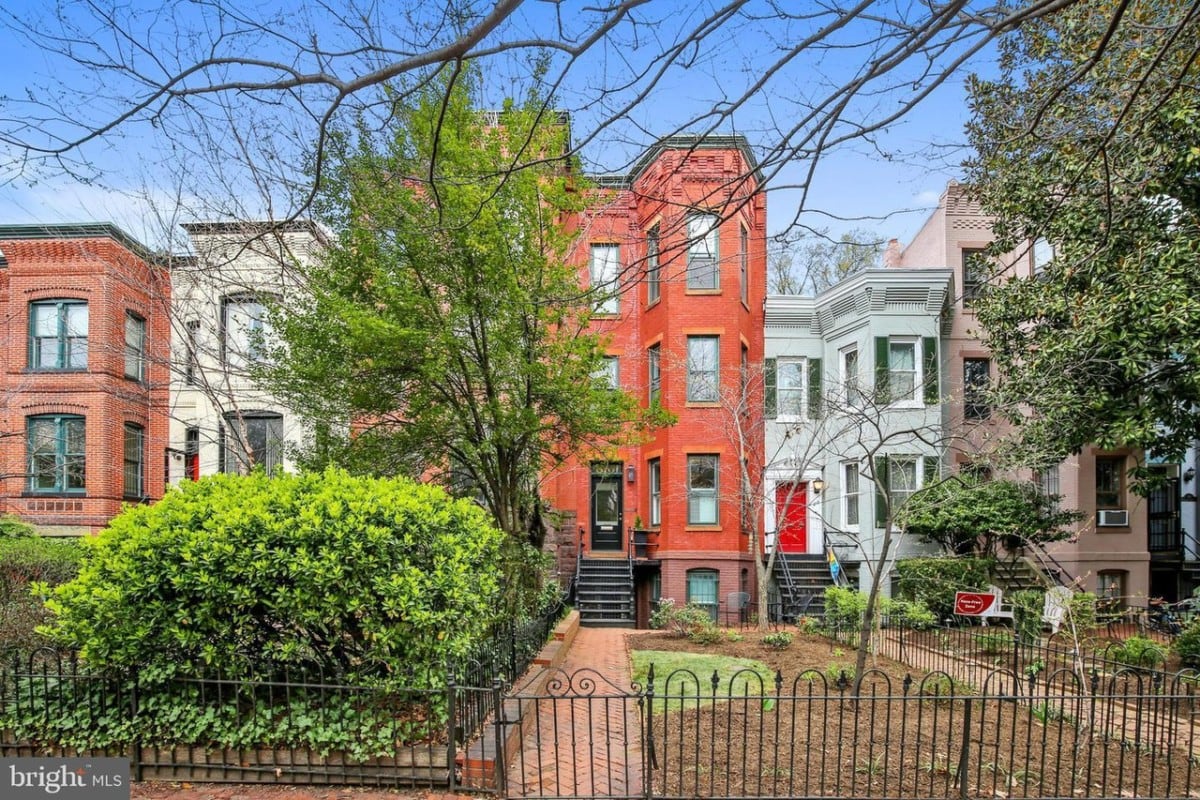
x,y
935,580
30,560
26,562
14,527
844,609
355,577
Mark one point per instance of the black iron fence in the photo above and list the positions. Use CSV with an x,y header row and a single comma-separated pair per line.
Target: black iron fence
x,y
973,649
295,727
686,735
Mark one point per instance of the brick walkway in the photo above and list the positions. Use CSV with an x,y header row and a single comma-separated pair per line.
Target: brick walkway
x,y
583,738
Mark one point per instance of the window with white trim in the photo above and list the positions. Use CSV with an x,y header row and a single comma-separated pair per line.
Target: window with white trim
x,y
1043,254
907,370
245,332
790,387
655,472
702,484
135,346
850,375
653,268
703,355
654,368
609,372
605,271
850,495
702,268
902,480
976,270
902,370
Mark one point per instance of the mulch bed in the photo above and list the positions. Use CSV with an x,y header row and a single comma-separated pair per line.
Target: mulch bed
x,y
818,740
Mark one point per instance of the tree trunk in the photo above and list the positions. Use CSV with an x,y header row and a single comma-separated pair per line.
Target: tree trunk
x,y
869,616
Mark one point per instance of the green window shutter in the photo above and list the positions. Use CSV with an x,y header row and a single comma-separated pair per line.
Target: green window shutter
x,y
933,394
814,388
881,472
933,470
769,388
882,390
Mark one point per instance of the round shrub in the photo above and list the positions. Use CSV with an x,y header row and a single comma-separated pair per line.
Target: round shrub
x,y
256,576
935,580
1187,644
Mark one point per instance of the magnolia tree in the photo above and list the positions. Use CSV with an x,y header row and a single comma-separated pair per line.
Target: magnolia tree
x,y
966,515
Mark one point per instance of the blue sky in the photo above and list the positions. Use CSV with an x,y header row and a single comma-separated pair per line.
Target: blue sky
x,y
887,185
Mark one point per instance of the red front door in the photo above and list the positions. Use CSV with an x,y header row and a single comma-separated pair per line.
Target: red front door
x,y
791,517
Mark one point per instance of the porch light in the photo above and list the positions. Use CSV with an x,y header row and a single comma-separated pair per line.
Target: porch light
x,y
818,485
630,474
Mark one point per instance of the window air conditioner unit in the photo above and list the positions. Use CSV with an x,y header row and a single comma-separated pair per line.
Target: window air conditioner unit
x,y
1112,519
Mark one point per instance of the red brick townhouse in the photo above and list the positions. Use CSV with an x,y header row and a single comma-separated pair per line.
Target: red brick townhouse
x,y
84,374
682,241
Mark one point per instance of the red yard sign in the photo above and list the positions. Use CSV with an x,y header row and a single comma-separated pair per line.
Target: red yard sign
x,y
973,604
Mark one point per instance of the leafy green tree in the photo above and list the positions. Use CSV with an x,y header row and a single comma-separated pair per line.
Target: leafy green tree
x,y
1089,142
448,320
967,516
358,578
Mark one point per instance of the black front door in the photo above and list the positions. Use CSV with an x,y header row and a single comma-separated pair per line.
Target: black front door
x,y
606,506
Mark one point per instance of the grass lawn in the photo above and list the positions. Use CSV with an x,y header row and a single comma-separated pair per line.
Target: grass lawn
x,y
687,677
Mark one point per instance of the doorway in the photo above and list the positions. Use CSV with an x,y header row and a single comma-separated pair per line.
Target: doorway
x,y
791,517
607,506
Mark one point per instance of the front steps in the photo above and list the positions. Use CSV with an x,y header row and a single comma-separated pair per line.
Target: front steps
x,y
604,593
1016,574
802,579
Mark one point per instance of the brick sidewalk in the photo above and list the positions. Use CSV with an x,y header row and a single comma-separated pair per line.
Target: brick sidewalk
x,y
584,738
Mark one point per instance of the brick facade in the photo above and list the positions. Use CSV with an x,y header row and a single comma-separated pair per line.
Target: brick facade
x,y
116,277
1106,559
675,180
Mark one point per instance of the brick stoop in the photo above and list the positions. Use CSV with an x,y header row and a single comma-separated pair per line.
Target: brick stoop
x,y
477,766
